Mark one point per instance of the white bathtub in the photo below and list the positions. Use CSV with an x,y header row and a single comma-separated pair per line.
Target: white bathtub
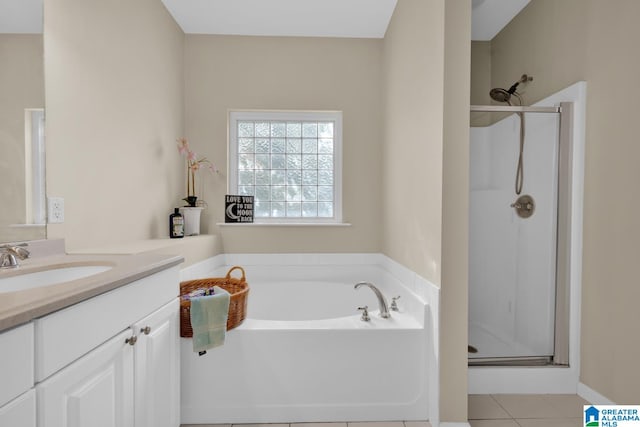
x,y
304,355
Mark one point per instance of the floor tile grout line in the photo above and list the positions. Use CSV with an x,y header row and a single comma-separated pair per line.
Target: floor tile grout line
x,y
503,408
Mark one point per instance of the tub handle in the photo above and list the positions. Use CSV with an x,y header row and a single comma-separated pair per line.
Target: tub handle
x,y
365,313
394,304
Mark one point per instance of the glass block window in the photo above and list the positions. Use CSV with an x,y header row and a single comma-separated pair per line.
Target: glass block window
x,y
290,162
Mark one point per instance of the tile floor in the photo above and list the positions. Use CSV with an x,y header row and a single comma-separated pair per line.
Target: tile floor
x,y
485,410
370,424
526,410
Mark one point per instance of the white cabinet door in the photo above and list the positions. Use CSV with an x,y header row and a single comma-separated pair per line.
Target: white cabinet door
x,y
157,368
20,412
96,390
16,362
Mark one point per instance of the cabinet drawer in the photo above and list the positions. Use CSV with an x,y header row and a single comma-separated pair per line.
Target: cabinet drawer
x,y
21,412
66,335
16,362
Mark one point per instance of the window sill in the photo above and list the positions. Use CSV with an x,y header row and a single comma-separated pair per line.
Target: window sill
x,y
283,224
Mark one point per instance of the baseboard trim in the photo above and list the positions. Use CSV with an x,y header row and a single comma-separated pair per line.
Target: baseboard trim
x,y
592,396
522,380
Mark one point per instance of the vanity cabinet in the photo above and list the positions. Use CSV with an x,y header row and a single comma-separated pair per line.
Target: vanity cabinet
x,y
17,396
131,377
20,412
16,362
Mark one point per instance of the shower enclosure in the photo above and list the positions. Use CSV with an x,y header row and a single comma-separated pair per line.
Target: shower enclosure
x,y
518,292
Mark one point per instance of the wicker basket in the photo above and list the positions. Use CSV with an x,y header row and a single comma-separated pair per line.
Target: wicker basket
x,y
238,288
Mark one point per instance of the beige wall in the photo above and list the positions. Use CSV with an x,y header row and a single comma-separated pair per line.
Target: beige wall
x,y
232,72
412,169
547,41
427,56
114,100
455,213
480,72
480,81
560,43
21,86
611,290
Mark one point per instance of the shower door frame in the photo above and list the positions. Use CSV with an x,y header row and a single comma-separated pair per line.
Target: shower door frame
x,y
563,236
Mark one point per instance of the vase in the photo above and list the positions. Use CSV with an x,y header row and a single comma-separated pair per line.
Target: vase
x,y
191,216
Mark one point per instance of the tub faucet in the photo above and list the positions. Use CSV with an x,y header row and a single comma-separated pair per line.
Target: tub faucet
x,y
9,255
382,302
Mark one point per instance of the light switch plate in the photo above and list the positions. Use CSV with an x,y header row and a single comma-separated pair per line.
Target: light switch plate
x,y
55,210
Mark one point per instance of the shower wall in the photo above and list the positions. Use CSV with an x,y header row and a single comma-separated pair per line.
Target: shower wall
x,y
512,260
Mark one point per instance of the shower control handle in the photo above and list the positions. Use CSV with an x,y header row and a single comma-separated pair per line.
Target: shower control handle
x,y
524,206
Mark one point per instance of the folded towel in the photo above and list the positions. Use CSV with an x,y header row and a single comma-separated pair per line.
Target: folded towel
x,y
209,319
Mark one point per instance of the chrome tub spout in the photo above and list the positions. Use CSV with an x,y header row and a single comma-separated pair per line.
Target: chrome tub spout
x,y
382,302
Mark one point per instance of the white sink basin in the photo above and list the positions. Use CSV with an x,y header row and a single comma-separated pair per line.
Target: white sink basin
x,y
51,276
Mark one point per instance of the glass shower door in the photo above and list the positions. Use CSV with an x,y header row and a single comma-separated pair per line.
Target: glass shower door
x,y
512,257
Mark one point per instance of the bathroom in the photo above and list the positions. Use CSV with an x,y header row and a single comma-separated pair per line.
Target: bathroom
x,y
122,81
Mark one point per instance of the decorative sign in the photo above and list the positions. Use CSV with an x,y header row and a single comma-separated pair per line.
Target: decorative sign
x,y
238,208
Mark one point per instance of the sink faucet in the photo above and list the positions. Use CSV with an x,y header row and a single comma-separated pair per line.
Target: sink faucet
x,y
9,255
382,302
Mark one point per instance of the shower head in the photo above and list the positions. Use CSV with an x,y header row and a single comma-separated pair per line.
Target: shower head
x,y
503,95
500,95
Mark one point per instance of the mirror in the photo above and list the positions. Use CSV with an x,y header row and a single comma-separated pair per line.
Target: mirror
x,y
22,175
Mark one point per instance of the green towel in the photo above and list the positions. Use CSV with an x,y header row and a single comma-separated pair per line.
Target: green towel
x,y
209,319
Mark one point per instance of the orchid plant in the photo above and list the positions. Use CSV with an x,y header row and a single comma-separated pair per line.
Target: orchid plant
x,y
193,166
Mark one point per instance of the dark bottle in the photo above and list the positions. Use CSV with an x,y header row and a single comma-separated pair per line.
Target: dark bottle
x,y
176,225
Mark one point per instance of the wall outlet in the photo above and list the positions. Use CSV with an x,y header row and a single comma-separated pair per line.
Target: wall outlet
x,y
55,210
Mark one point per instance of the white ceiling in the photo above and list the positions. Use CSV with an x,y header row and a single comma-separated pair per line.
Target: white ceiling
x,y
310,18
491,16
319,18
314,18
21,16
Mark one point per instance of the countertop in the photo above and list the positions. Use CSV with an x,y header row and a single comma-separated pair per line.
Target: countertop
x,y
23,306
